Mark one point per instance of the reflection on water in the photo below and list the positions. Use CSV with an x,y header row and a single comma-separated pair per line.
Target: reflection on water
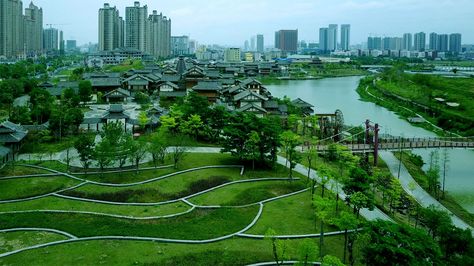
x,y
327,95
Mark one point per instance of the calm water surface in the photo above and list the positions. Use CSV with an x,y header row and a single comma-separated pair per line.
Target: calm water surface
x,y
327,95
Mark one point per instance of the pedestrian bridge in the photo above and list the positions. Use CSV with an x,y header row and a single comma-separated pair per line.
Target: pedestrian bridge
x,y
394,144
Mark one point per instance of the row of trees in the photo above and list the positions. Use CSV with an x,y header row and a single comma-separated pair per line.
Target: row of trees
x,y
117,147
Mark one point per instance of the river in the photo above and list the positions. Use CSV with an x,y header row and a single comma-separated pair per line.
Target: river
x,y
330,94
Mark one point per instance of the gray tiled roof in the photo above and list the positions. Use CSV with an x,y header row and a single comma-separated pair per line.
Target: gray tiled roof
x,y
250,106
177,94
11,133
301,104
247,93
207,86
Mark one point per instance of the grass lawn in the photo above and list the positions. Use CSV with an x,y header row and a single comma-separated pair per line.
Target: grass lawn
x,y
247,193
235,251
166,189
33,146
10,170
16,240
30,187
55,203
199,224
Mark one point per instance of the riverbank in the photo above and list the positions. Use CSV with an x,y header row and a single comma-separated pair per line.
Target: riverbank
x,y
369,93
271,79
442,102
421,178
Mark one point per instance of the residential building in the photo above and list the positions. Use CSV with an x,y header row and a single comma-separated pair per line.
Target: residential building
x,y
455,43
50,39
332,37
433,46
179,45
260,43
443,43
232,55
323,39
252,44
345,36
159,35
71,45
287,40
11,28
111,27
33,30
407,42
374,43
135,26
420,41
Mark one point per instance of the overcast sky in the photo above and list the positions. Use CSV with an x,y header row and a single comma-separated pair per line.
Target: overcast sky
x,y
231,22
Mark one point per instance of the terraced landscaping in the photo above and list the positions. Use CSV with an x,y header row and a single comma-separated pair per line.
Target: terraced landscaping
x,y
22,188
109,214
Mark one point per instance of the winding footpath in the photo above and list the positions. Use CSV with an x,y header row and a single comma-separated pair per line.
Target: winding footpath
x,y
412,188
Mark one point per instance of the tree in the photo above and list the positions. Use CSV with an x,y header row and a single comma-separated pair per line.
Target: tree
x,y
345,222
85,90
158,146
360,200
358,181
192,126
445,169
143,120
279,247
41,102
395,193
308,252
393,244
138,150
434,220
326,176
290,140
433,173
217,119
251,145
178,151
329,260
323,210
457,246
168,124
310,154
104,154
85,148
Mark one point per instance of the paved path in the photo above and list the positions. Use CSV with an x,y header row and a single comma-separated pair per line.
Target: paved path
x,y
412,188
75,162
366,213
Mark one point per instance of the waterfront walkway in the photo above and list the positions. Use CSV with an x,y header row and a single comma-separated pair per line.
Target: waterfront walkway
x,y
412,188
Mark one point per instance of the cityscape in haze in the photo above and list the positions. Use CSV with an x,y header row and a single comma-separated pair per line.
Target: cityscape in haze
x,y
150,31
219,132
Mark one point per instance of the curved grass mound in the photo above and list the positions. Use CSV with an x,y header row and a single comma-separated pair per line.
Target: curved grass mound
x,y
11,241
171,188
30,187
55,203
234,251
200,224
247,193
17,170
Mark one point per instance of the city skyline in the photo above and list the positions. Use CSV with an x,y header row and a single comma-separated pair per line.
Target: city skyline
x,y
306,16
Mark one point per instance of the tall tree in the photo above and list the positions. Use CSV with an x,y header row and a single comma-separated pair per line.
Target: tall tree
x,y
345,221
324,211
85,148
85,90
290,140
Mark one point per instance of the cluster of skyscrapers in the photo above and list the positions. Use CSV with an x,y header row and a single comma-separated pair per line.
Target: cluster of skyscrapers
x,y
328,38
287,40
22,35
418,42
139,31
256,44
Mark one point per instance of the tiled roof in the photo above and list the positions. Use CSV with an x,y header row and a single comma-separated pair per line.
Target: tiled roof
x,y
11,133
207,86
250,106
247,93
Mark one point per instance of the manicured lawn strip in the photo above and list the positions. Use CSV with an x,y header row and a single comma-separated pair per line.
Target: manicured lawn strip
x,y
247,193
30,187
16,240
199,224
55,203
10,170
162,190
235,251
449,202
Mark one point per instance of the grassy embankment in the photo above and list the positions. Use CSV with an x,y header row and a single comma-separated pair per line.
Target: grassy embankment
x,y
418,92
421,178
